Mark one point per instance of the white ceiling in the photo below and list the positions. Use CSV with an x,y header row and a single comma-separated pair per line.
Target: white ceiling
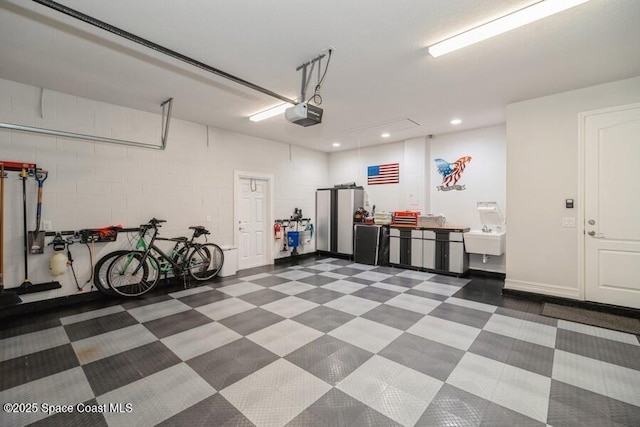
x,y
380,75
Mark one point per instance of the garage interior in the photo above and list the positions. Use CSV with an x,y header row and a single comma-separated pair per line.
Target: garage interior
x,y
420,239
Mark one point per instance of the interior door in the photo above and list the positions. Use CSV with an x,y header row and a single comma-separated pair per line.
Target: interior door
x,y
612,207
252,223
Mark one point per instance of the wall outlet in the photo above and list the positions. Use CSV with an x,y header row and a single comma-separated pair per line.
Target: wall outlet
x,y
46,224
207,218
569,222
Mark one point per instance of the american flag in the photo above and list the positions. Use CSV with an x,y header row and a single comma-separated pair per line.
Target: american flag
x,y
383,174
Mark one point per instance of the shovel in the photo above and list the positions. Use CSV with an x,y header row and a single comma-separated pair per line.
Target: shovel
x,y
36,238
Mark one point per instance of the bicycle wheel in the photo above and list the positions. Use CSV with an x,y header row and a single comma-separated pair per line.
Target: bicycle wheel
x,y
128,276
100,272
205,261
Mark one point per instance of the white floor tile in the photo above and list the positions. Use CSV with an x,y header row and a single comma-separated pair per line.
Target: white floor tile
x,y
157,397
414,303
366,334
30,343
333,275
189,344
523,391
324,267
284,337
150,312
579,371
294,274
445,331
224,308
104,345
363,267
352,304
373,276
437,288
525,330
292,288
599,332
390,287
65,388
275,394
344,286
68,320
476,374
394,390
240,289
191,291
290,306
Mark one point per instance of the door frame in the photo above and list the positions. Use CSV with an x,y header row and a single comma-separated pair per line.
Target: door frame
x,y
582,191
237,176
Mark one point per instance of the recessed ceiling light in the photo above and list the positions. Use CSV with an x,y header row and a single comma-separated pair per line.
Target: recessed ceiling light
x,y
509,22
385,135
271,112
456,121
336,144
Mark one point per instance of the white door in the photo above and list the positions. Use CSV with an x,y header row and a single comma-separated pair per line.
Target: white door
x,y
612,207
252,222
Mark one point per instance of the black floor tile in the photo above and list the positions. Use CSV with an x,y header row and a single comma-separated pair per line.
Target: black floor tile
x,y
320,295
395,317
609,351
270,281
99,325
375,294
347,271
262,297
464,315
12,328
430,295
317,280
573,406
204,298
31,367
176,323
231,363
454,407
324,319
251,321
83,417
124,368
212,411
429,357
402,281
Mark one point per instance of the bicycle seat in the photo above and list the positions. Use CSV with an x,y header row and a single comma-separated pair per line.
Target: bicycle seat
x,y
197,227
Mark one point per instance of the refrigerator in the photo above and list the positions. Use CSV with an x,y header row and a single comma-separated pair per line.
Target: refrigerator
x,y
335,208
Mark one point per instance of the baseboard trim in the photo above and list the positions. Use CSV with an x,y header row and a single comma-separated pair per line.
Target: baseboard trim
x,y
51,303
294,259
487,274
541,288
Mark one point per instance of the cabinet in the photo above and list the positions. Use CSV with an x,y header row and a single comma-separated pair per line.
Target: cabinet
x,y
440,250
371,244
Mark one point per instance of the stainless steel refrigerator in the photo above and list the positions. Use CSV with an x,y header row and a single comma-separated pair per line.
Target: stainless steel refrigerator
x,y
335,208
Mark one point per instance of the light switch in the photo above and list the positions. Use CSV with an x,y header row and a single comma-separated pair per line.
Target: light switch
x,y
569,222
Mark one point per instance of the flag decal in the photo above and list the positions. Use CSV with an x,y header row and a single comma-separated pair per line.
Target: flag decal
x,y
383,174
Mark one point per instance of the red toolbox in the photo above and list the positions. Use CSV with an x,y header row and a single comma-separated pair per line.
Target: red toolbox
x,y
405,218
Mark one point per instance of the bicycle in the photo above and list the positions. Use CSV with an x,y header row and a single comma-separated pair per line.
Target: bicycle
x,y
135,272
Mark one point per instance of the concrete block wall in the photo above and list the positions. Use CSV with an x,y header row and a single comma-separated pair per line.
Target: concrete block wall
x,y
93,184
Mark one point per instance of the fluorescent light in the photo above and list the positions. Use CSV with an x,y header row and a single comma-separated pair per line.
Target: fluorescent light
x,y
336,144
271,112
385,135
456,121
501,25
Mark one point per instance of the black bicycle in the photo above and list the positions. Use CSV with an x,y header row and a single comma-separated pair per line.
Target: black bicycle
x,y
136,272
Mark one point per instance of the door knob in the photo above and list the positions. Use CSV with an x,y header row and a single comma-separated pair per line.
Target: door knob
x,y
591,233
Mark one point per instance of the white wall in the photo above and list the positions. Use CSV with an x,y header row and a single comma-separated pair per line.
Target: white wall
x,y
484,177
484,180
542,171
93,184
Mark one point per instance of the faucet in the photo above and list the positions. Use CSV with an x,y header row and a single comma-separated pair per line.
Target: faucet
x,y
486,229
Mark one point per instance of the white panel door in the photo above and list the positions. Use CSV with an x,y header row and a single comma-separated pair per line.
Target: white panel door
x,y
612,207
252,223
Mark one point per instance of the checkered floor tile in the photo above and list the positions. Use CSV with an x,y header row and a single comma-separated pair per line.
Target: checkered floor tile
x,y
326,342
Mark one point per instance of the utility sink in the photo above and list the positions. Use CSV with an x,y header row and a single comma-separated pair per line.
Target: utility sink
x,y
485,243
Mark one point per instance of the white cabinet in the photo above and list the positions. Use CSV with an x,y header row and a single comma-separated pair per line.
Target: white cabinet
x,y
416,248
429,249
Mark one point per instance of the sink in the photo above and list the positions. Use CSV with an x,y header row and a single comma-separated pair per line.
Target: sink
x,y
483,243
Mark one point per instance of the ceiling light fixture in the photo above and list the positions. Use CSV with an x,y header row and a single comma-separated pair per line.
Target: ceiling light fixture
x,y
456,121
336,144
271,112
385,135
501,25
